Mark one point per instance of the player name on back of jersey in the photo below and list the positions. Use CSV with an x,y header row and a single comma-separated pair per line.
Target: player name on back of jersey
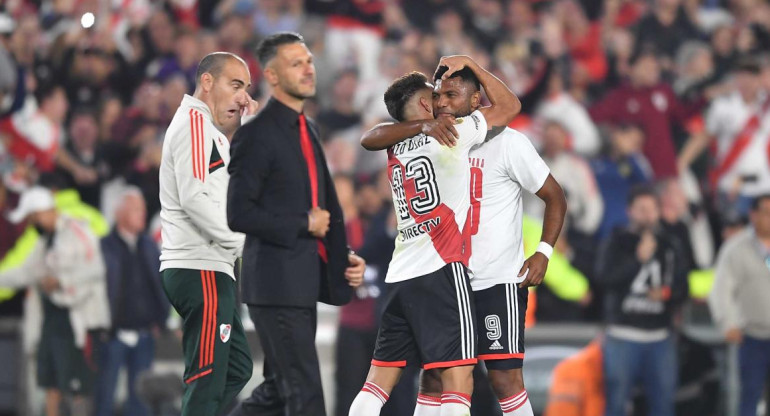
x,y
409,145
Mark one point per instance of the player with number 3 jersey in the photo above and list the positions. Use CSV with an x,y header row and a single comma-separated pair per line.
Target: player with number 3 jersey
x,y
429,316
501,170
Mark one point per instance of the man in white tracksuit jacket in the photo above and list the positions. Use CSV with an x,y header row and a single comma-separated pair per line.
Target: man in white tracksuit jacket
x,y
198,248
67,269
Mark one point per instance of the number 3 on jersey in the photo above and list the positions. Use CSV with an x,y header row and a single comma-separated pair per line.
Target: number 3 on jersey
x,y
427,198
477,177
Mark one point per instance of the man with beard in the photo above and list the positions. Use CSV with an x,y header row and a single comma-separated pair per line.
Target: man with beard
x,y
422,322
643,272
282,197
500,171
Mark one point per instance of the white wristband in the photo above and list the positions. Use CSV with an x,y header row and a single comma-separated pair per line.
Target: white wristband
x,y
545,248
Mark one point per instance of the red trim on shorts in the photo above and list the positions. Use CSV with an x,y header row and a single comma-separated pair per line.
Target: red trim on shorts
x,y
217,163
199,375
447,364
485,357
379,363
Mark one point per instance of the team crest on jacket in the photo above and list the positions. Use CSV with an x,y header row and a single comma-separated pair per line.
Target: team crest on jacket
x,y
224,332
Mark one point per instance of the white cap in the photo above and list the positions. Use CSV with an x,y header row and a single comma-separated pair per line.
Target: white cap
x,y
7,25
35,199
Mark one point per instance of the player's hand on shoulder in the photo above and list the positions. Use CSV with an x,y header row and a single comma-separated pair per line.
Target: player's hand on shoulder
x,y
534,267
318,222
355,271
442,129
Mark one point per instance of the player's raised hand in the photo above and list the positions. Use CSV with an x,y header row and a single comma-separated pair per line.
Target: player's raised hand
x,y
355,271
442,129
248,109
453,63
535,268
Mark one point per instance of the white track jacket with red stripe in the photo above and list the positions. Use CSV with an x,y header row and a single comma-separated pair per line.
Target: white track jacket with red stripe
x,y
193,194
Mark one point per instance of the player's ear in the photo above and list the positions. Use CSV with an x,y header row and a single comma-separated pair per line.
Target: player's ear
x,y
207,81
270,74
476,99
426,104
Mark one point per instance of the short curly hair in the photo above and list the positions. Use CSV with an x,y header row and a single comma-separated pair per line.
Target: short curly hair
x,y
402,90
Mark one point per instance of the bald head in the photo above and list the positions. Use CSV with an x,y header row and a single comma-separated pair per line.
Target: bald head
x,y
214,63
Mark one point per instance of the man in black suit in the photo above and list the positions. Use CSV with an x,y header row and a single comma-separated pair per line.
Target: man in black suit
x,y
282,197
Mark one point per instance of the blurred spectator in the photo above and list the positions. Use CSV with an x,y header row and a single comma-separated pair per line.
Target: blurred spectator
x,y
354,32
558,106
584,41
695,70
665,27
233,36
368,99
688,222
138,125
739,304
577,386
738,123
674,209
358,319
619,170
87,63
138,305
644,274
565,291
651,104
486,22
110,109
584,202
66,268
183,62
160,32
35,132
83,154
723,44
277,16
341,113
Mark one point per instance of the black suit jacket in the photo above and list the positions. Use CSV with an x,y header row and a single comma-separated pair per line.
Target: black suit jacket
x,y
268,200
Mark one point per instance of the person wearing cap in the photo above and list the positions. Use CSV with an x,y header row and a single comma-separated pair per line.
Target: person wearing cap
x,y
66,269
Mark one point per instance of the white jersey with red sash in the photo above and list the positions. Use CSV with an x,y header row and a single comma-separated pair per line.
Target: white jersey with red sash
x,y
742,132
430,185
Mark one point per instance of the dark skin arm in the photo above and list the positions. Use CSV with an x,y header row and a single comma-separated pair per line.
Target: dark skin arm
x,y
504,105
553,219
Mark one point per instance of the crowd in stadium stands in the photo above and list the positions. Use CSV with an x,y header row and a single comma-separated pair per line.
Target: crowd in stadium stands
x,y
671,95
